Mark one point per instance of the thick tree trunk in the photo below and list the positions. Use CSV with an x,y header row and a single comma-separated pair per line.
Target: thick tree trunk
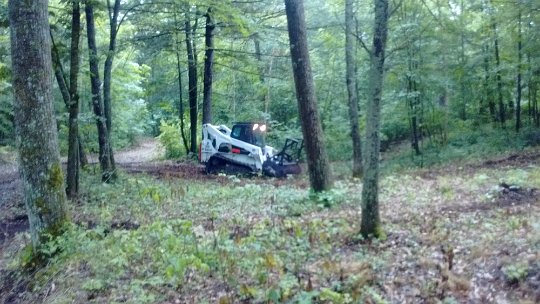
x,y
192,83
107,167
317,159
35,125
371,222
208,66
351,88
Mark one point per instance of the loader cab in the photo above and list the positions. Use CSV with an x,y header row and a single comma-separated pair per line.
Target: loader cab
x,y
251,133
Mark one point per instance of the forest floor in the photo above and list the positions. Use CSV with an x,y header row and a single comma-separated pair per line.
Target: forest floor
x,y
168,233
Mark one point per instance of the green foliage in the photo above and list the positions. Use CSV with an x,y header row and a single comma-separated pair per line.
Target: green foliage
x,y
171,139
466,142
6,97
515,273
141,239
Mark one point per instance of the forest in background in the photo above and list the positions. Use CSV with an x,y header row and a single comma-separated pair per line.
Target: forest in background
x,y
456,72
460,92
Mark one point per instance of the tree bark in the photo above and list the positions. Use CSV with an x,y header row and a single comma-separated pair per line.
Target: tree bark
x,y
208,66
76,155
463,62
192,83
72,189
371,222
487,85
502,114
180,99
107,69
520,55
35,125
107,167
317,159
351,79
107,73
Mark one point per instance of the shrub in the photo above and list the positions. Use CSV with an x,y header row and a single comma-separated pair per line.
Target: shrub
x,y
170,138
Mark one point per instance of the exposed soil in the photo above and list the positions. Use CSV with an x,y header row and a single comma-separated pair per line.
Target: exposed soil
x,y
513,160
508,198
10,227
142,159
12,212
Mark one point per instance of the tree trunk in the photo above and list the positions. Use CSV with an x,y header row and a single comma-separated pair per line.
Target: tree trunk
x,y
107,69
180,90
463,62
413,108
371,222
35,125
107,167
518,98
73,137
71,100
107,74
502,115
351,88
317,159
83,160
208,65
192,85
487,85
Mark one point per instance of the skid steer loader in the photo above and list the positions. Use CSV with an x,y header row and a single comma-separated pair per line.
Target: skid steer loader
x,y
242,149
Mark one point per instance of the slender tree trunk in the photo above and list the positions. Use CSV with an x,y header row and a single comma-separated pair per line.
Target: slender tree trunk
x,y
35,125
413,113
71,100
371,222
487,84
260,64
208,67
83,160
462,60
502,114
180,90
107,74
107,69
520,55
192,86
351,88
412,96
73,137
317,159
181,102
107,167
59,73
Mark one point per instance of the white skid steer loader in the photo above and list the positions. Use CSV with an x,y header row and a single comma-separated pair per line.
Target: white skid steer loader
x,y
243,150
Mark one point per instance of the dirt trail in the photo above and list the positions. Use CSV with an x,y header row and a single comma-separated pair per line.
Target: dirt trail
x,y
13,219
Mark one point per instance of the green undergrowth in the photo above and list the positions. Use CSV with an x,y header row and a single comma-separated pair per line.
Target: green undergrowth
x,y
148,240
8,155
466,144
